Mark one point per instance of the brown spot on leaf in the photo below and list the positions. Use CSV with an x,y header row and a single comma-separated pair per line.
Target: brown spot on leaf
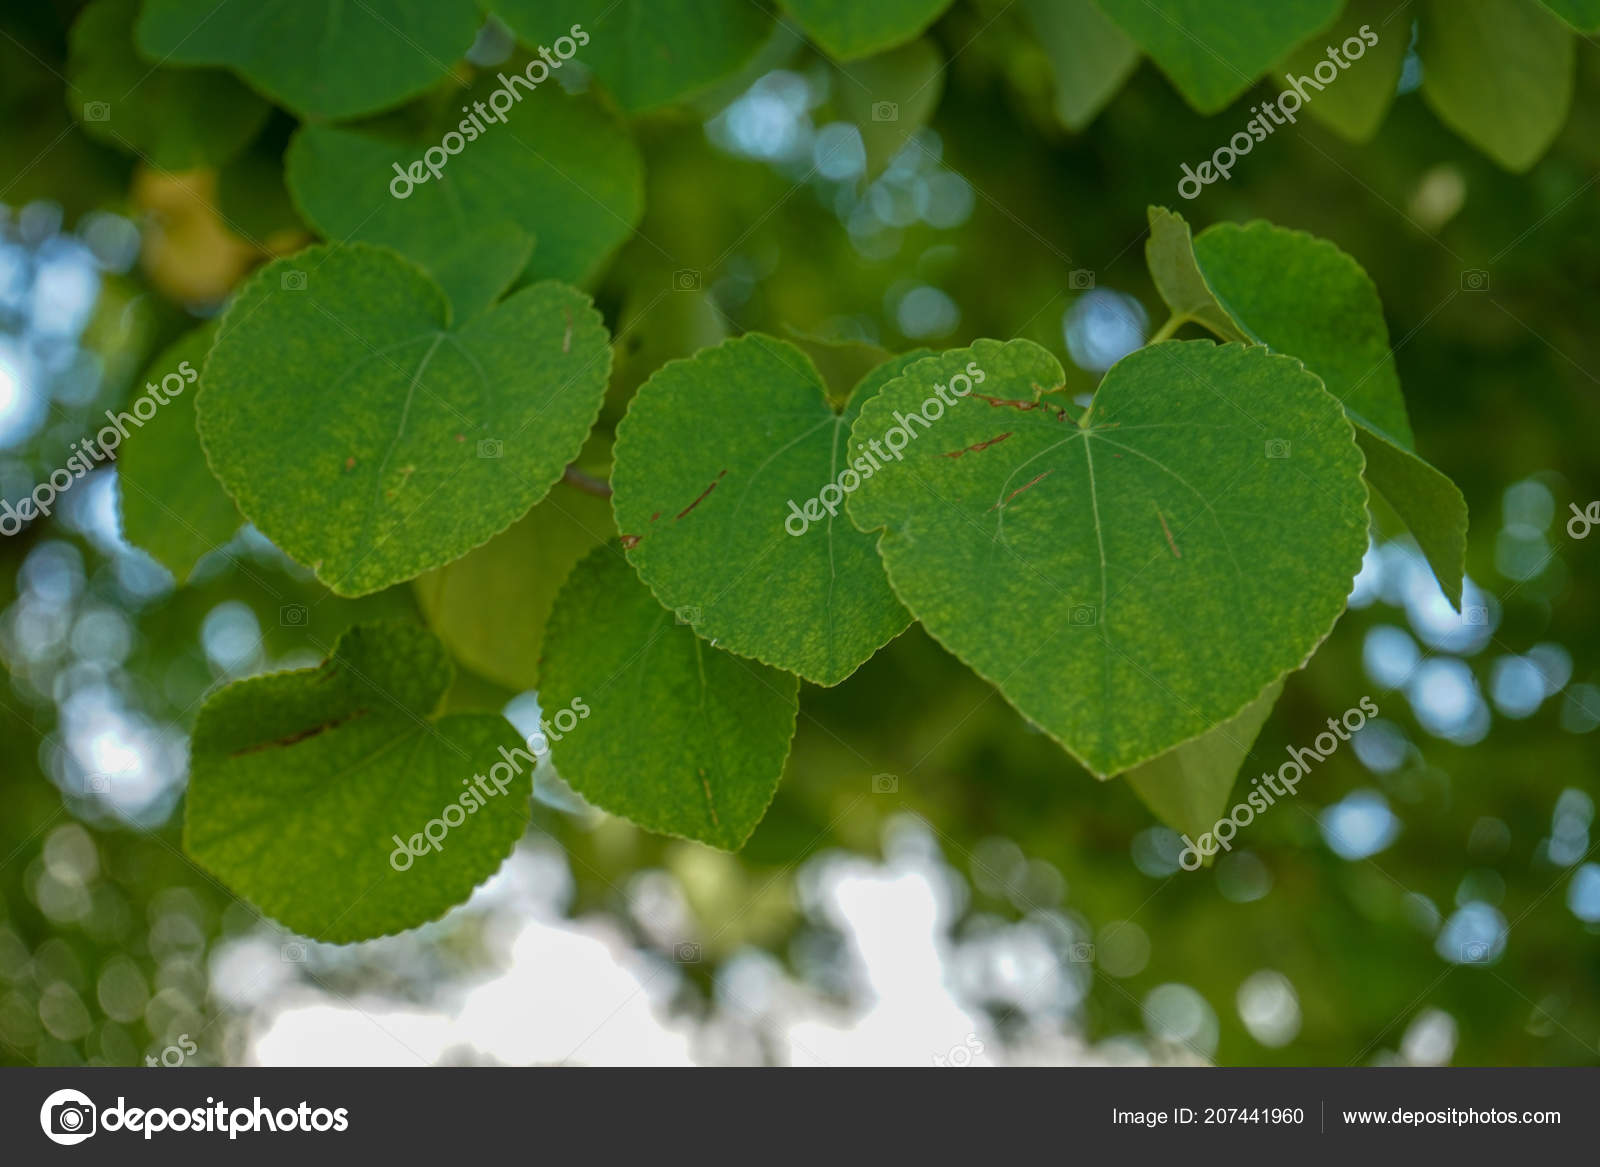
x,y
980,446
703,494
301,736
1022,406
1167,531
1031,482
710,805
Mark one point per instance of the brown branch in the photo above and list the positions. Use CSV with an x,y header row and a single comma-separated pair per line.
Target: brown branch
x,y
587,483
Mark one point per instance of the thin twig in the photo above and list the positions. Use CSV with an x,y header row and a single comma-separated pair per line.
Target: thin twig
x,y
587,483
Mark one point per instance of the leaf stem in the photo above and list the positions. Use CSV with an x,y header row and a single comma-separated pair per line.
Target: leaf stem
x,y
1174,322
587,483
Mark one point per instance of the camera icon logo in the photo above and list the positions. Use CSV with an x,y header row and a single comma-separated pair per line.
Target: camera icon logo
x,y
885,784
1084,615
1475,952
67,1117
293,952
1475,615
690,616
1081,952
686,952
294,281
97,784
1474,279
1277,447
1080,279
491,448
686,280
96,111
885,111
294,615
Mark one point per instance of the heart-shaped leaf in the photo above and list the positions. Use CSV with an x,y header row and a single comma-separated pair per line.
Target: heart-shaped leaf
x,y
560,168
314,794
648,53
1213,50
369,437
177,119
172,505
1499,73
717,457
1302,296
318,59
1089,55
1135,577
681,738
847,29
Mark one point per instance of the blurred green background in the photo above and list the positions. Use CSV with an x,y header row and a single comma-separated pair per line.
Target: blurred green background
x,y
934,876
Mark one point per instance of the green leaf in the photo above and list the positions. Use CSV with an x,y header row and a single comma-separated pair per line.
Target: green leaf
x,y
1427,502
1214,50
560,168
1169,252
300,783
372,439
1130,581
891,96
1187,788
1499,73
847,29
648,53
1302,296
710,456
176,119
490,607
172,505
318,59
1355,104
1090,56
684,739
1583,15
